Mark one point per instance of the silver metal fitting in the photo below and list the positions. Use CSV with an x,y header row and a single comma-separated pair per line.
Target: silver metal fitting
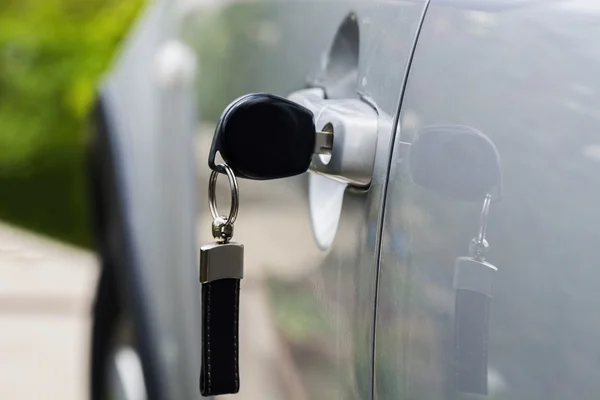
x,y
221,261
221,230
347,131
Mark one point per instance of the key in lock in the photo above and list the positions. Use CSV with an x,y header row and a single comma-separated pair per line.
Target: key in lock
x,y
262,136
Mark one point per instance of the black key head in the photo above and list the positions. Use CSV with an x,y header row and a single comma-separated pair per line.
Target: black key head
x,y
262,136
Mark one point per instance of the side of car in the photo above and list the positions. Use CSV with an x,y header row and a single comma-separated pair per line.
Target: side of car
x,y
352,290
133,325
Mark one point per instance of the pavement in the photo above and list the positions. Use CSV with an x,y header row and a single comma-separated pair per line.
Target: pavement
x,y
46,291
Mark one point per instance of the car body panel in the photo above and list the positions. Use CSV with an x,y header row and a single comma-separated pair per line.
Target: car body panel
x,y
528,78
151,122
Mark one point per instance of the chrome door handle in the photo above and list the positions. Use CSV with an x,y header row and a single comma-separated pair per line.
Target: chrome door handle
x,y
348,161
354,124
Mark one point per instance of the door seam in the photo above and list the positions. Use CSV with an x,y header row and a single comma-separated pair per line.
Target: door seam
x,y
381,219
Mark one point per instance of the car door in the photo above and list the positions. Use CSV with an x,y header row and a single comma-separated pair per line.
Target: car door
x,y
308,295
525,74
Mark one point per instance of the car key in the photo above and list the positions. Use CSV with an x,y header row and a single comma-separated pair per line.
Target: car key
x,y
221,268
259,136
263,136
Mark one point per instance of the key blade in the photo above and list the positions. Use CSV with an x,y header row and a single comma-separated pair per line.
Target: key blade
x,y
323,142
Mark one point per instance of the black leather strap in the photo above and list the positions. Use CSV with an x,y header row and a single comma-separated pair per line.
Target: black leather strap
x,y
220,312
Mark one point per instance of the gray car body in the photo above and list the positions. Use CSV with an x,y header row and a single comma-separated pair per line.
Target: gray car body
x,y
525,73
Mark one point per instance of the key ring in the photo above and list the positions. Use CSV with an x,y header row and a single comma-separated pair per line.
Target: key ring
x,y
235,195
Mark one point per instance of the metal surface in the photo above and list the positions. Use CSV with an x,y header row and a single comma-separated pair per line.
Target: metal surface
x,y
221,261
527,76
355,127
352,127
150,105
324,141
221,231
347,131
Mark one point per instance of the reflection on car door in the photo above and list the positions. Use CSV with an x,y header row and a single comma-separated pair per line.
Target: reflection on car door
x,y
528,79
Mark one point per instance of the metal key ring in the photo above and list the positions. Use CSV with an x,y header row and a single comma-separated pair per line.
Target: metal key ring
x,y
235,194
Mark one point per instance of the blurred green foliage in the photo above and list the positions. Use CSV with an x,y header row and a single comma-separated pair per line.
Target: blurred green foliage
x,y
52,53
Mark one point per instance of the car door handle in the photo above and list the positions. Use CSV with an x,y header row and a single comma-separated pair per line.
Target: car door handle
x,y
354,124
349,161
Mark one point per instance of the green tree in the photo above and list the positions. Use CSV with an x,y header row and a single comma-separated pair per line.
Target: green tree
x,y
52,53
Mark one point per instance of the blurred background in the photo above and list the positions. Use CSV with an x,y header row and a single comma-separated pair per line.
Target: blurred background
x,y
52,55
